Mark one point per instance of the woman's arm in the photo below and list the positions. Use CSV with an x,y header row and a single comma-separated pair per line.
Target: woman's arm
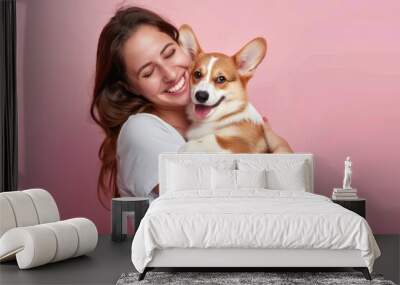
x,y
276,143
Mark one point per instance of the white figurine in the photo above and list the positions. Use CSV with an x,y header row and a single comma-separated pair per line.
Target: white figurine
x,y
347,174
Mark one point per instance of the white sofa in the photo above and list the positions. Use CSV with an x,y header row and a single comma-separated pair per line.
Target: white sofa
x,y
31,231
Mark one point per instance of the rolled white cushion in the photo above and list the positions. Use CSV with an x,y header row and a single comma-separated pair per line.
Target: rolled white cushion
x,y
23,208
46,207
33,246
87,233
7,218
26,208
45,243
67,239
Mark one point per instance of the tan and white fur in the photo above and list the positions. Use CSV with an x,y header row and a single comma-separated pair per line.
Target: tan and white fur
x,y
233,125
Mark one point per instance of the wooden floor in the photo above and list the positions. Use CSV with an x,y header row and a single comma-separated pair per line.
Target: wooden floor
x,y
110,260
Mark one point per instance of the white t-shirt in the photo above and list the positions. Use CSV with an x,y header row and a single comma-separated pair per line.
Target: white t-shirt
x,y
141,139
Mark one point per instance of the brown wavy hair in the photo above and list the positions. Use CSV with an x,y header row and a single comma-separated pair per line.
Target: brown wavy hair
x,y
113,101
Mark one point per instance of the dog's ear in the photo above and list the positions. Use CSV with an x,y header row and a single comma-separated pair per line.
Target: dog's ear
x,y
250,56
188,41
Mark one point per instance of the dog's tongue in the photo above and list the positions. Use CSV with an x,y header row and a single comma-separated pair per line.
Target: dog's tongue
x,y
202,111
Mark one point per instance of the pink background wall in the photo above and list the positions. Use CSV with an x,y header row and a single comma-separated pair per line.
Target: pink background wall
x,y
330,86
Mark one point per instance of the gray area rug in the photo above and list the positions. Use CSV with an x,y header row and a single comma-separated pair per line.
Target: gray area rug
x,y
229,278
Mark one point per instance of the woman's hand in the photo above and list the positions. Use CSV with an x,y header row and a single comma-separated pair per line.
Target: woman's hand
x,y
276,144
156,191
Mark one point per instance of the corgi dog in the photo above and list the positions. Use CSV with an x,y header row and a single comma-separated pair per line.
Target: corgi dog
x,y
222,118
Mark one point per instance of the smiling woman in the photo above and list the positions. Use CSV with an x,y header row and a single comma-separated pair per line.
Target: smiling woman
x,y
141,90
157,67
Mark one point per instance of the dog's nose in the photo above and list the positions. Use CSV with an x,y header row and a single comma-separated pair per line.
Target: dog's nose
x,y
201,96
